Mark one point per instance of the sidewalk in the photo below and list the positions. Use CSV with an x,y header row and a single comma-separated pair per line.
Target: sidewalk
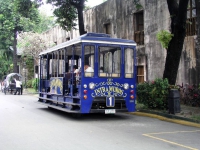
x,y
188,115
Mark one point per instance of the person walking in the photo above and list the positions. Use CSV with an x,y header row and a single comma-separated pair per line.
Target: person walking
x,y
18,87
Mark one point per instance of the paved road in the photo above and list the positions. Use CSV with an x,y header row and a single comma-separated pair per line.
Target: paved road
x,y
27,125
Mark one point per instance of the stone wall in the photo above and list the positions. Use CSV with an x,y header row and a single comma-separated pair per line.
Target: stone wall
x,y
57,35
120,14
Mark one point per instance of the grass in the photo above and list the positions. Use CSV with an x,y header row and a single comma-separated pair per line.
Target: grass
x,y
196,117
140,106
30,90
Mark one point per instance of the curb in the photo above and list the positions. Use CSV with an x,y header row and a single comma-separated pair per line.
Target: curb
x,y
167,117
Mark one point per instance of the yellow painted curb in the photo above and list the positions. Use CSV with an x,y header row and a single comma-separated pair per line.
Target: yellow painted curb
x,y
183,122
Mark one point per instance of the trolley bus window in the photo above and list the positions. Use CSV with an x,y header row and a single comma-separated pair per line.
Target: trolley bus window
x,y
61,64
129,62
53,68
109,61
44,68
89,61
72,57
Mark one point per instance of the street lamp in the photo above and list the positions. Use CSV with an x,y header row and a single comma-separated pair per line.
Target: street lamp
x,y
24,70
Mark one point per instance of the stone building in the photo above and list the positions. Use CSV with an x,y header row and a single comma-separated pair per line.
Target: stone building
x,y
121,19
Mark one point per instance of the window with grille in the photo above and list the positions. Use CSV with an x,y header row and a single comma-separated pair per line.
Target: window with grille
x,y
191,19
139,28
140,74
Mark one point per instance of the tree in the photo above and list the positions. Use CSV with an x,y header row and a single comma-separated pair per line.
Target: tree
x,y
197,2
5,26
46,23
13,15
5,63
67,12
178,13
32,44
43,24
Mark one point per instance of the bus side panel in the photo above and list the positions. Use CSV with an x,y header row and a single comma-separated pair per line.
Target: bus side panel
x,y
86,103
131,95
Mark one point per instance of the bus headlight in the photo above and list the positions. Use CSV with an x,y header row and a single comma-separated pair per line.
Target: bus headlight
x,y
126,86
85,85
91,85
132,86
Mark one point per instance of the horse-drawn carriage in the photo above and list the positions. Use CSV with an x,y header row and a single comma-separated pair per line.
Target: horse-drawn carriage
x,y
9,83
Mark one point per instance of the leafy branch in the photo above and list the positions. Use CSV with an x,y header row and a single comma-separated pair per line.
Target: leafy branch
x,y
164,37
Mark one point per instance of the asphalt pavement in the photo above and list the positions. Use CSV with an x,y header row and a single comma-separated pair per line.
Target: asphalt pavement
x,y
165,116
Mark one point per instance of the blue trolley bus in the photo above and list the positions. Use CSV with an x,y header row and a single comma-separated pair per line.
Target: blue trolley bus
x,y
90,74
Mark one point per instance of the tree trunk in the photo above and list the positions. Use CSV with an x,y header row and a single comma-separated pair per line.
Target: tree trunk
x,y
15,51
197,2
174,51
80,17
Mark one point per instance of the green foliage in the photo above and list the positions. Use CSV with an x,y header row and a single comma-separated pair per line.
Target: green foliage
x,y
46,23
164,37
68,12
196,117
35,83
15,16
137,4
32,83
28,84
66,15
173,87
6,66
42,24
29,66
153,94
32,44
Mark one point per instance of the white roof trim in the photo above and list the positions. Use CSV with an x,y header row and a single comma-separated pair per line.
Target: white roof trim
x,y
66,44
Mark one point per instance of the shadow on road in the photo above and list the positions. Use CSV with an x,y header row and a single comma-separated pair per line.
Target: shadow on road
x,y
87,117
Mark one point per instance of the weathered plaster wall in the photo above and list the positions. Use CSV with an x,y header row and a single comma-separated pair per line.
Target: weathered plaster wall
x,y
116,12
156,18
120,14
58,35
187,73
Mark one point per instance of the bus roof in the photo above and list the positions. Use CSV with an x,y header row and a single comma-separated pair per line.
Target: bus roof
x,y
91,38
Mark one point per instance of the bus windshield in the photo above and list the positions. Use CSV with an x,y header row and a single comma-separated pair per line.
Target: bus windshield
x,y
109,61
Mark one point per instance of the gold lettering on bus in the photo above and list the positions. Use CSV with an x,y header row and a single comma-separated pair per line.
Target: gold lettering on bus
x,y
107,90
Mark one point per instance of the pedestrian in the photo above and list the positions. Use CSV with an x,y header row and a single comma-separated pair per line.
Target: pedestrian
x,y
18,86
21,89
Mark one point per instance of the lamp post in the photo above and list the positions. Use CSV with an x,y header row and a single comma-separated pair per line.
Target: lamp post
x,y
24,70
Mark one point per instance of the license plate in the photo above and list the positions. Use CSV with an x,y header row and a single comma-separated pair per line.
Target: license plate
x,y
110,111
